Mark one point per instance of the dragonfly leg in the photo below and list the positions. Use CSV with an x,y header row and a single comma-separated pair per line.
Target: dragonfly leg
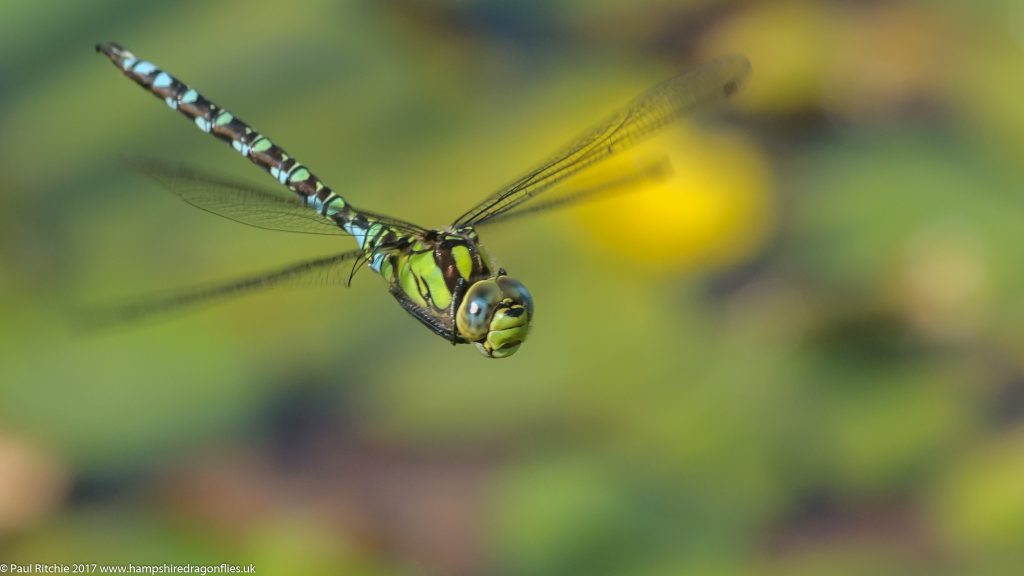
x,y
355,268
457,294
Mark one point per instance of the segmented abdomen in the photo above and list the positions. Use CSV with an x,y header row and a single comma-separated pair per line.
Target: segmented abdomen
x,y
225,126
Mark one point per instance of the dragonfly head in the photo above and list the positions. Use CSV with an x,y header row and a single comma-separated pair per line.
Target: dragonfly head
x,y
495,315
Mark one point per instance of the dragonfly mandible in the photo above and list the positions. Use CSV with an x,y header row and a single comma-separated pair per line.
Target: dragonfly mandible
x,y
443,277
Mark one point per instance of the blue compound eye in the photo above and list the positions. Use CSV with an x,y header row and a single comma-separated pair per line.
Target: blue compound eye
x,y
473,317
515,290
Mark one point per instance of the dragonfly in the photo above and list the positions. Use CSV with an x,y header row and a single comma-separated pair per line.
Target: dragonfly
x,y
443,277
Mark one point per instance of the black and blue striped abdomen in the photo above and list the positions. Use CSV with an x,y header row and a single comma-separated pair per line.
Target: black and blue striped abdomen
x,y
228,128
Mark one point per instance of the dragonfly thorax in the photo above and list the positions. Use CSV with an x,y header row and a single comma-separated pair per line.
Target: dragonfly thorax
x,y
445,279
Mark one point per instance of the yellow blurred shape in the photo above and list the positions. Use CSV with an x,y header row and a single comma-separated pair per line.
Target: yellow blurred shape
x,y
980,506
32,483
789,46
943,282
985,80
855,59
713,209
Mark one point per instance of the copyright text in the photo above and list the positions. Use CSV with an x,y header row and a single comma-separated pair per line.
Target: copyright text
x,y
94,568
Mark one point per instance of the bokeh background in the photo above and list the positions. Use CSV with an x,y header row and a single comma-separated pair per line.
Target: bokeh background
x,y
801,354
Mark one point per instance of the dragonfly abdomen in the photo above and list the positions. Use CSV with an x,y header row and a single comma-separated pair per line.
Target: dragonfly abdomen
x,y
230,129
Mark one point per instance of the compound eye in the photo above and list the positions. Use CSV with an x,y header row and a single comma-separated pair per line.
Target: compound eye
x,y
474,314
515,290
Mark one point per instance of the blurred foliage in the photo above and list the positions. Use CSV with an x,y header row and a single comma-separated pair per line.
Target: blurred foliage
x,y
799,354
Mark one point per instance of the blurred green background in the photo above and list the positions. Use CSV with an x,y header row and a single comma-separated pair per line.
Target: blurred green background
x,y
801,355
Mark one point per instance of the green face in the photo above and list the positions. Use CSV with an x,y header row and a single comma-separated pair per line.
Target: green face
x,y
495,315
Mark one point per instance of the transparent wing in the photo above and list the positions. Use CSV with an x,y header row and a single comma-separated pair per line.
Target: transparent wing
x,y
648,112
246,203
328,271
631,182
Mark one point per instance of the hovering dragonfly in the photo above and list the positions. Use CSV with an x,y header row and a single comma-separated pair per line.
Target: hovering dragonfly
x,y
442,277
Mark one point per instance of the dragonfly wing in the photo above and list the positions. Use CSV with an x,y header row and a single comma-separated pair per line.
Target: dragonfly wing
x,y
243,202
328,271
647,113
648,174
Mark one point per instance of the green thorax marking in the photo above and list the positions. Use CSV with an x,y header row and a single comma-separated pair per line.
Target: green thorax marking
x,y
431,274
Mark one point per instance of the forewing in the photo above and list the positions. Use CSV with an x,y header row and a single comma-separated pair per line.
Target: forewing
x,y
624,184
647,113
